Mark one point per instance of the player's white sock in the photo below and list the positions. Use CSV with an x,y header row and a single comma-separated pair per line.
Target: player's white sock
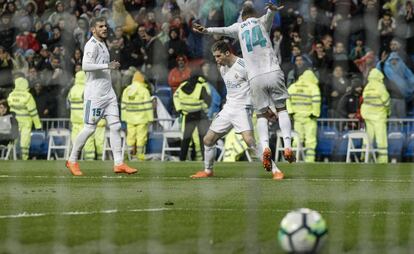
x,y
285,128
116,147
263,131
209,156
80,141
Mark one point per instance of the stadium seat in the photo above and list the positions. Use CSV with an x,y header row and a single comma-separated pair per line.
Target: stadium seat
x,y
395,145
408,154
7,150
173,133
154,144
59,140
355,146
166,97
327,137
299,149
38,144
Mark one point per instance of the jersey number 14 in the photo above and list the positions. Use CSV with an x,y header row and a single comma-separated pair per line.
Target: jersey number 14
x,y
254,38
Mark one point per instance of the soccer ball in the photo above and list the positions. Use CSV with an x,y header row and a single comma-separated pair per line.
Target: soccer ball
x,y
302,231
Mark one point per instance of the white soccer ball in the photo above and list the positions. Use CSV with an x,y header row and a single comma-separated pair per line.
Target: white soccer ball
x,y
302,231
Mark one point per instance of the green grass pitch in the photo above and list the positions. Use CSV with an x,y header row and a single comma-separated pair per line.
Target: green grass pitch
x,y
43,209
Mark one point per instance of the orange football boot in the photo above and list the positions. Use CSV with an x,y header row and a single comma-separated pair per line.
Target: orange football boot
x,y
202,174
74,168
267,159
278,175
124,168
289,155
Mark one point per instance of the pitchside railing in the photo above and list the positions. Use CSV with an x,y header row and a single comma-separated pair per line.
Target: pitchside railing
x,y
394,124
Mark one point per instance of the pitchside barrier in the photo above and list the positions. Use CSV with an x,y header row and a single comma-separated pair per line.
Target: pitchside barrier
x,y
332,137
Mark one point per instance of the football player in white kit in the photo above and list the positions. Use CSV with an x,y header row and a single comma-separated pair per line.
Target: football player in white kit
x,y
265,76
236,112
99,99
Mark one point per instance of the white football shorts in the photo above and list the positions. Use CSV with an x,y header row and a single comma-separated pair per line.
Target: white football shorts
x,y
268,90
237,116
95,109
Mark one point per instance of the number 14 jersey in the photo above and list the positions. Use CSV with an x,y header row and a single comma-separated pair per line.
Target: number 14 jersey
x,y
253,34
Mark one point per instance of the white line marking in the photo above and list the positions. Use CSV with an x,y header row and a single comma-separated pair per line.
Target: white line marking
x,y
357,180
162,209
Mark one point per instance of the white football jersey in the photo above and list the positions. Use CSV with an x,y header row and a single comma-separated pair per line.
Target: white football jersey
x,y
98,75
253,35
237,85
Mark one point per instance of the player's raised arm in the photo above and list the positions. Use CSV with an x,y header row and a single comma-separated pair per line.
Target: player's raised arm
x,y
267,18
231,31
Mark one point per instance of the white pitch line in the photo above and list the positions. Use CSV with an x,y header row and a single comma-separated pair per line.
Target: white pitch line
x,y
356,180
162,209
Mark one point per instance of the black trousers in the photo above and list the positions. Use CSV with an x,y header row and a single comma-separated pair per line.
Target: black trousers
x,y
191,121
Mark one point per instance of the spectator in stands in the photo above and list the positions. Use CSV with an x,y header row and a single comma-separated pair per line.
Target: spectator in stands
x,y
365,64
304,104
317,24
137,112
123,18
76,58
297,71
24,106
19,61
163,35
6,68
386,28
395,46
80,33
399,81
155,55
191,101
375,110
26,39
45,101
180,73
151,25
406,27
9,128
322,64
7,32
339,52
336,89
175,47
44,61
359,50
349,105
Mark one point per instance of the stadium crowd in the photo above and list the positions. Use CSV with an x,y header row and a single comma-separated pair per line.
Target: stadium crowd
x,y
340,41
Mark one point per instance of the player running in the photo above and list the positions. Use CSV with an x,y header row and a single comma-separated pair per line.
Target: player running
x,y
99,99
236,111
265,76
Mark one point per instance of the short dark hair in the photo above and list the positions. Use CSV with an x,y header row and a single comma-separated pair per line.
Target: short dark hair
x,y
6,105
221,46
248,10
96,20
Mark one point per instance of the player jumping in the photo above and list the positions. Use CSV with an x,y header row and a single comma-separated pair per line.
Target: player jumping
x,y
265,76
